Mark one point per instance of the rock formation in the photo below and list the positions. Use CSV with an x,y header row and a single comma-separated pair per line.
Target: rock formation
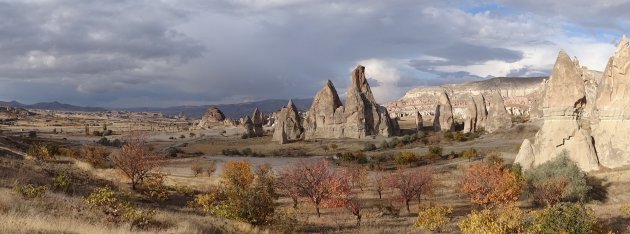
x,y
419,123
520,95
561,131
249,126
288,125
325,117
258,122
360,117
443,119
212,118
470,123
482,112
497,117
611,114
228,122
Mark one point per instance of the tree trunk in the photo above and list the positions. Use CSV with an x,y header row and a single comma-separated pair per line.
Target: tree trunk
x,y
407,203
379,195
358,220
317,209
295,203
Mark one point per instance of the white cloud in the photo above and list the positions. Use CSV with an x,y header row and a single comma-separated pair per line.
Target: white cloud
x,y
387,75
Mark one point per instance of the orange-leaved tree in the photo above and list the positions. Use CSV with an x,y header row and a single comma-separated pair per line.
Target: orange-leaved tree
x,y
136,158
488,184
322,185
412,183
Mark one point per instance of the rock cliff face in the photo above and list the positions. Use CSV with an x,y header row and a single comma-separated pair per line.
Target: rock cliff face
x,y
521,96
612,110
212,118
562,129
288,126
360,117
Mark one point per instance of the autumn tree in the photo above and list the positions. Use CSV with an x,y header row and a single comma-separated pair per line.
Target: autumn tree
x,y
354,204
358,176
95,155
244,194
485,184
288,184
550,191
411,184
379,182
136,158
316,181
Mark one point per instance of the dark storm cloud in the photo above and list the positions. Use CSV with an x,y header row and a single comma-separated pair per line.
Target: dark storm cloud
x,y
77,39
174,52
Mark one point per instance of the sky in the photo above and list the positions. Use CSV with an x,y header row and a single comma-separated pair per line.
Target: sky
x,y
140,53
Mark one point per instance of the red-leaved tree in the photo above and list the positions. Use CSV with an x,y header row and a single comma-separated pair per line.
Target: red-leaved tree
x,y
320,184
411,184
136,158
288,184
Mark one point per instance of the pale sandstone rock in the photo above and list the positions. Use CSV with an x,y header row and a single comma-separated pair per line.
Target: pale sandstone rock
x,y
498,117
212,118
519,94
482,112
288,126
419,123
228,122
360,117
325,117
612,110
561,131
249,126
470,122
443,119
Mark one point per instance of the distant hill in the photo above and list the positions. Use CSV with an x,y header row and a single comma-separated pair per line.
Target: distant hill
x,y
57,106
234,111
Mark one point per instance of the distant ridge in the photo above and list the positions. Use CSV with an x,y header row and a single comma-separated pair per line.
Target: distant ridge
x,y
234,111
56,106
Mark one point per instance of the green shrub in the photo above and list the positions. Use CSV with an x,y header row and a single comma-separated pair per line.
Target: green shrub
x,y
420,135
406,158
43,152
369,147
384,144
494,157
247,151
435,153
470,154
119,210
560,167
502,220
433,218
230,152
564,218
62,182
30,191
358,157
104,141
